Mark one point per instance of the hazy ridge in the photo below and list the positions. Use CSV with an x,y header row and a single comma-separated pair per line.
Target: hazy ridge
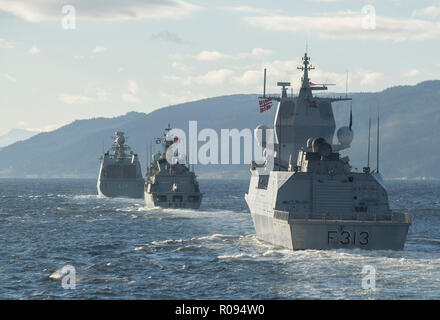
x,y
410,121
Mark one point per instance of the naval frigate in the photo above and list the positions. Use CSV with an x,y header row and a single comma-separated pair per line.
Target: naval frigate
x,y
171,184
305,194
120,172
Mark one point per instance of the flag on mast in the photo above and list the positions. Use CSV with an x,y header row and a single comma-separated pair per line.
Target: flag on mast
x,y
265,104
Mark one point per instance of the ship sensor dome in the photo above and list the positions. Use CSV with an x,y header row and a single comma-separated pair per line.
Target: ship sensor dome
x,y
345,136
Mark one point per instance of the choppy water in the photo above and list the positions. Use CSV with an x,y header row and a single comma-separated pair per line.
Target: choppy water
x,y
121,250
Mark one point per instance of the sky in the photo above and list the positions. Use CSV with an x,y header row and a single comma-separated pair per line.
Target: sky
x,y
63,60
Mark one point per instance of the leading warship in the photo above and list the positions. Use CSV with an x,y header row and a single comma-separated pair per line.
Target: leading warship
x,y
120,172
305,195
171,184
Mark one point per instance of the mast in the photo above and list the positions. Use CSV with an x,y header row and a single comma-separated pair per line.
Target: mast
x,y
148,156
151,152
377,142
369,139
305,67
351,116
264,86
283,95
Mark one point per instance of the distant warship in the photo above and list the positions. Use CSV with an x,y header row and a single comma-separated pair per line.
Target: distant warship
x,y
309,198
171,185
120,173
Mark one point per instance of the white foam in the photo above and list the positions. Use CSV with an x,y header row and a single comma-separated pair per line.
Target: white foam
x,y
57,274
85,196
168,241
239,256
215,236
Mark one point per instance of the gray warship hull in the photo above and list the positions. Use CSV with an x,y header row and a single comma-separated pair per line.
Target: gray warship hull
x,y
120,172
169,182
173,200
300,234
121,188
316,223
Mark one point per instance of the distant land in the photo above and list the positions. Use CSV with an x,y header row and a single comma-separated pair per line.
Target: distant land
x,y
410,130
15,135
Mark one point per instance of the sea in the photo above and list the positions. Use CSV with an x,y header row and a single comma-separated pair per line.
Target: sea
x,y
59,240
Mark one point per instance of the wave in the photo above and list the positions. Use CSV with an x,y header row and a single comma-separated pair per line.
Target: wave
x,y
239,256
431,240
82,196
199,212
216,236
168,241
197,240
189,248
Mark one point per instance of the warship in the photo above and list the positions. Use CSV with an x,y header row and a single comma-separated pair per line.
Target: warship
x,y
171,184
120,172
304,195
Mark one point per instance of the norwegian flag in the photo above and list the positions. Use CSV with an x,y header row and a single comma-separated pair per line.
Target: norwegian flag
x,y
265,104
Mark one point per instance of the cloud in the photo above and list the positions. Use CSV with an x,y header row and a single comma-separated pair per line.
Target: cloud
x,y
348,25
211,78
99,49
261,52
246,9
214,77
368,77
428,12
212,56
249,77
286,70
133,87
168,37
130,98
179,66
10,78
215,55
326,0
98,96
132,92
98,10
96,50
412,73
46,128
34,50
5,44
74,99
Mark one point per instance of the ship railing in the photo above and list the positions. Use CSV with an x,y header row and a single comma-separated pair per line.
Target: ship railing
x,y
357,216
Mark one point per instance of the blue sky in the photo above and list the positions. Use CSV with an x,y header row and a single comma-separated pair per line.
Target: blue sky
x,y
140,55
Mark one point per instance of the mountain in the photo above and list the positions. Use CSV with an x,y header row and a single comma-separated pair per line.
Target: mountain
x,y
15,135
410,116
